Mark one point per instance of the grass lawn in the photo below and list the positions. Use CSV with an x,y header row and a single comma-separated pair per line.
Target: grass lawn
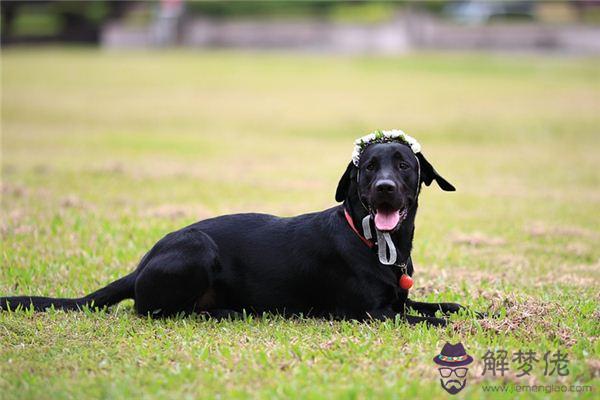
x,y
103,153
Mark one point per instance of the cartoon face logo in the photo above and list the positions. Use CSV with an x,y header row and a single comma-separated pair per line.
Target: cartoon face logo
x,y
452,361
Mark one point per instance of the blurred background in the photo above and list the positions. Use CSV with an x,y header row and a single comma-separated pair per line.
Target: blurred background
x,y
207,97
323,26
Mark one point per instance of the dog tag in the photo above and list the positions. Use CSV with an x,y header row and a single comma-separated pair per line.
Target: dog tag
x,y
406,282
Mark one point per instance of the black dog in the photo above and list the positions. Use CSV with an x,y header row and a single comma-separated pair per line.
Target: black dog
x,y
315,264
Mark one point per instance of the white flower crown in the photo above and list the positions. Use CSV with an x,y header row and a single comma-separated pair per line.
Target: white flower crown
x,y
379,136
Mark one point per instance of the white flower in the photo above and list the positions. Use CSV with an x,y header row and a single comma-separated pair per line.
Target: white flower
x,y
394,135
365,139
356,155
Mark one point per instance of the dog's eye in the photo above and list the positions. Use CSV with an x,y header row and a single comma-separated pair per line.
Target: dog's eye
x,y
404,165
371,166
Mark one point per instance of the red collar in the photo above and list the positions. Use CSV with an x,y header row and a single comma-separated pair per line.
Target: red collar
x,y
351,223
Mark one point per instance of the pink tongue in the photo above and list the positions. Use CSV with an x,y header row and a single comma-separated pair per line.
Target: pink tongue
x,y
386,220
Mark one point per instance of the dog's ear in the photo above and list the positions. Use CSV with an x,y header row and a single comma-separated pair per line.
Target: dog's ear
x,y
345,181
429,174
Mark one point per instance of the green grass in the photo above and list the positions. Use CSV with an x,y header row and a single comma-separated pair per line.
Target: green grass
x,y
103,153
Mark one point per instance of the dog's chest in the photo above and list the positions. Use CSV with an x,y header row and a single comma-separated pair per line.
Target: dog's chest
x,y
378,285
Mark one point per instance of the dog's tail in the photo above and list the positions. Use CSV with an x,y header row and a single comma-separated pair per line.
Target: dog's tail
x,y
115,292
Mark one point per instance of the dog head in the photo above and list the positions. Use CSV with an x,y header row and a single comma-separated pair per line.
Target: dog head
x,y
387,182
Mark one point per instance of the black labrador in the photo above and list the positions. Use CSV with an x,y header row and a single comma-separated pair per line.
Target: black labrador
x,y
317,264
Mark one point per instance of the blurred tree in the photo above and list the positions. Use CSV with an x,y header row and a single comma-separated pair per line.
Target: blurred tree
x,y
267,9
51,21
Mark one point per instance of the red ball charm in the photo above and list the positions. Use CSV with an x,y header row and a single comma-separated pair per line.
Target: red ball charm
x,y
406,282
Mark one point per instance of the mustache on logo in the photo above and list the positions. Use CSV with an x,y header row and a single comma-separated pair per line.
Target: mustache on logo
x,y
453,386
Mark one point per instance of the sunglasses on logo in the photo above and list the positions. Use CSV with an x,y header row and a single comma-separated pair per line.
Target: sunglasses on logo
x,y
459,372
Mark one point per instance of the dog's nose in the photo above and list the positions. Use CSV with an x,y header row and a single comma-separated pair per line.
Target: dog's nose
x,y
385,186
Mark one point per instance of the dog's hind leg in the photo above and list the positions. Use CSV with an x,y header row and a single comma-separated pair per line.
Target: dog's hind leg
x,y
223,314
177,274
